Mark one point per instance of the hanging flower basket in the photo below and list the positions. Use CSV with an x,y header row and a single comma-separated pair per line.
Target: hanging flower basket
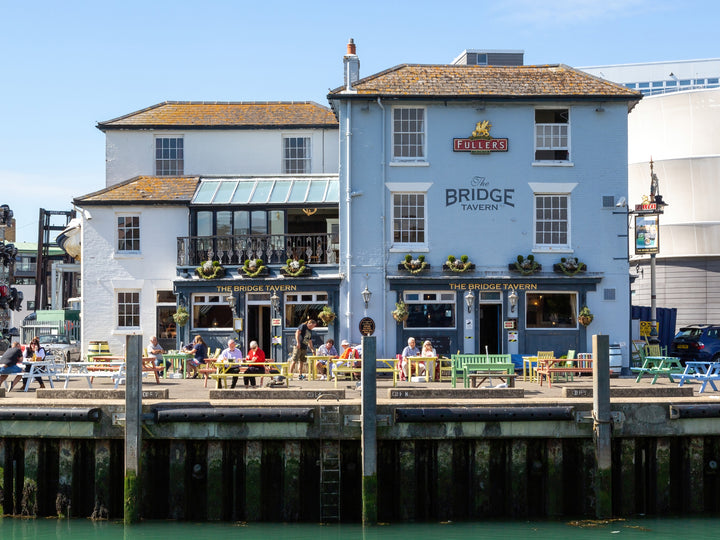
x,y
585,317
400,313
181,316
253,268
569,266
525,266
414,266
458,265
295,268
210,270
327,315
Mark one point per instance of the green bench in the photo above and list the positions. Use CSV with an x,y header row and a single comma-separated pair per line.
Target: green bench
x,y
465,364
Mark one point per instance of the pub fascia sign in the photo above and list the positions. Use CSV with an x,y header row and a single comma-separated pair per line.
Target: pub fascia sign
x,y
480,141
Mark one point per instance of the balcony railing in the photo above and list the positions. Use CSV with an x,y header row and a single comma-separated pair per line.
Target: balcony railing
x,y
319,248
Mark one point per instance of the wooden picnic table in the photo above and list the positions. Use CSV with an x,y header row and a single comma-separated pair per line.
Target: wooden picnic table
x,y
562,366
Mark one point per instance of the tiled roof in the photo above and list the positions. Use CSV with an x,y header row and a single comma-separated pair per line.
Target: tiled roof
x,y
467,82
145,190
218,115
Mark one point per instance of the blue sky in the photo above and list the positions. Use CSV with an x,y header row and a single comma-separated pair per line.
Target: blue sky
x,y
68,65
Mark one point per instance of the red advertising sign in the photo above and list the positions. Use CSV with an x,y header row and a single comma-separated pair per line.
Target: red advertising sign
x,y
480,145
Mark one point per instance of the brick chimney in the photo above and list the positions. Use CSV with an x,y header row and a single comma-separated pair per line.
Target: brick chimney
x,y
351,63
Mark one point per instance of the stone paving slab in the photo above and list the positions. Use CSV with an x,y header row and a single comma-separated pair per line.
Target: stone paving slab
x,y
631,391
454,393
92,393
278,393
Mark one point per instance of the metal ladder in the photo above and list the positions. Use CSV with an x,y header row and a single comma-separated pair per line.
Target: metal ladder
x,y
330,466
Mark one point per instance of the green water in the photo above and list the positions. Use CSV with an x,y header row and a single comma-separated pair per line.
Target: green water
x,y
685,528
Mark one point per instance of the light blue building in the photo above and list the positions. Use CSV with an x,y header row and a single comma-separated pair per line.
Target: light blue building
x,y
492,162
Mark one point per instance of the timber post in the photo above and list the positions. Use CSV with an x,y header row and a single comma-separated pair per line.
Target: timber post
x,y
369,431
602,427
133,427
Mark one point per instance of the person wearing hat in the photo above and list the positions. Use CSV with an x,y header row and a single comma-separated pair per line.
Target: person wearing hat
x,y
349,356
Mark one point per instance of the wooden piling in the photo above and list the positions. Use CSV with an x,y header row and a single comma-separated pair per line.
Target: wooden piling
x,y
133,428
602,427
369,432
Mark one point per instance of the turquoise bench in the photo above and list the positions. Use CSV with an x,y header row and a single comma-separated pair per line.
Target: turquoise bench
x,y
463,364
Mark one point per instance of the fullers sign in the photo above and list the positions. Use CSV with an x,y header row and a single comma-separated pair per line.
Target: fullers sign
x,y
480,141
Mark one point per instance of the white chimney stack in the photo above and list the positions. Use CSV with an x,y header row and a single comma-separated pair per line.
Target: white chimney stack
x,y
352,66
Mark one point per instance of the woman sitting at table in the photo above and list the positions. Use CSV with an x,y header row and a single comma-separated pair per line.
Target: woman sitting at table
x,y
34,353
255,356
428,352
200,350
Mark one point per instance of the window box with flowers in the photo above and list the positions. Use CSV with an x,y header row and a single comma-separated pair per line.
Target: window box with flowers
x,y
458,265
210,270
253,268
400,313
525,266
295,268
414,266
569,266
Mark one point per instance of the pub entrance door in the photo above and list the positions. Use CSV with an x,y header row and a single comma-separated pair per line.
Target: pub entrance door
x,y
258,323
489,328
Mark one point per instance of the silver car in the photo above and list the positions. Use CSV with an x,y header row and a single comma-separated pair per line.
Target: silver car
x,y
61,348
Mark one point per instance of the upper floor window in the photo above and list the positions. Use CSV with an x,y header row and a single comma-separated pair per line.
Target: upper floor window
x,y
552,221
128,233
409,218
169,156
408,134
552,135
296,155
128,309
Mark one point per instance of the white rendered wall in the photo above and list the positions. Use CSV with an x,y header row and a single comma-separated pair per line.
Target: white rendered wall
x,y
131,153
106,272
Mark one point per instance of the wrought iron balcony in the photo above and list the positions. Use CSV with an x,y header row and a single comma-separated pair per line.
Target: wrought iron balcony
x,y
320,248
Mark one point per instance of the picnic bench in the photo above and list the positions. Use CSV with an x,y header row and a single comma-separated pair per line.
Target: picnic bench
x,y
659,366
222,371
478,377
382,365
550,367
703,372
479,362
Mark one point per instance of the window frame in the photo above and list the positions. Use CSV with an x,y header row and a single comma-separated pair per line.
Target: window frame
x,y
409,189
552,147
214,299
541,246
306,159
122,302
574,304
317,298
423,146
409,300
119,227
178,160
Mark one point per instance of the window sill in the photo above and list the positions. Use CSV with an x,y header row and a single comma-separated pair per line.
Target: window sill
x,y
553,164
553,250
126,331
418,248
127,255
409,164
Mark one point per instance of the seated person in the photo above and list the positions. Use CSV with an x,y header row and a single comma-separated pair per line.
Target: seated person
x,y
154,349
200,350
410,350
9,364
34,353
349,357
326,349
256,356
232,354
428,352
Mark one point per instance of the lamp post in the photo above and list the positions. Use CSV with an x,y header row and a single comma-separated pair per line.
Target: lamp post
x,y
274,307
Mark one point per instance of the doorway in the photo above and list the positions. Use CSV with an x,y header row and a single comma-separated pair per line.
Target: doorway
x,y
257,326
489,328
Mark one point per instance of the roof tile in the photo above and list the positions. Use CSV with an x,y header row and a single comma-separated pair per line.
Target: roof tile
x,y
145,189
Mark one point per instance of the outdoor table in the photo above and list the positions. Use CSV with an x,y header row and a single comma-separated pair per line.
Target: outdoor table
x,y
550,367
704,372
529,364
113,369
659,365
178,358
429,362
39,368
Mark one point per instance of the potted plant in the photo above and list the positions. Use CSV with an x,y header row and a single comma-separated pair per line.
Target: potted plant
x,y
210,270
253,268
327,315
585,317
458,265
525,266
400,313
414,266
295,268
181,316
569,266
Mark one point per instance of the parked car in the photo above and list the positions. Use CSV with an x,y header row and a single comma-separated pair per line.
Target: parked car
x,y
697,342
61,347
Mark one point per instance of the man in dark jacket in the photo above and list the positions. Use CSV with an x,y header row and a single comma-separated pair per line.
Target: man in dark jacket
x,y
9,364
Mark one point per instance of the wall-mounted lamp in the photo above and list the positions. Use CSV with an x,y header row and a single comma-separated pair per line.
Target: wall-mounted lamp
x,y
513,299
275,301
469,300
232,302
366,294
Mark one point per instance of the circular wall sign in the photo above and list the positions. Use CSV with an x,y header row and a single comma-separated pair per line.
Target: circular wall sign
x,y
367,326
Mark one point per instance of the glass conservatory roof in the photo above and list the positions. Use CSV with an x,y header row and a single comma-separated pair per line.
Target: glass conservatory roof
x,y
268,190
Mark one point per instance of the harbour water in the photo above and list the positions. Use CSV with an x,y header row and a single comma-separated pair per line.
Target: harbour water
x,y
666,528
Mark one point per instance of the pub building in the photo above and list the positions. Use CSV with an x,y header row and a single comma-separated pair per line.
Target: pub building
x,y
482,198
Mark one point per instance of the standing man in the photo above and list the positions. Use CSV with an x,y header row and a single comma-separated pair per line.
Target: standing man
x,y
154,349
232,354
303,342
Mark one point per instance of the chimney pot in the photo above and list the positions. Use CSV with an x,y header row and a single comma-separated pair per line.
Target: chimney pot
x,y
351,46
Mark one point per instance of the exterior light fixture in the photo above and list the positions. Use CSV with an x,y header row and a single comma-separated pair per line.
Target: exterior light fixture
x,y
513,299
275,301
232,302
366,294
469,300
